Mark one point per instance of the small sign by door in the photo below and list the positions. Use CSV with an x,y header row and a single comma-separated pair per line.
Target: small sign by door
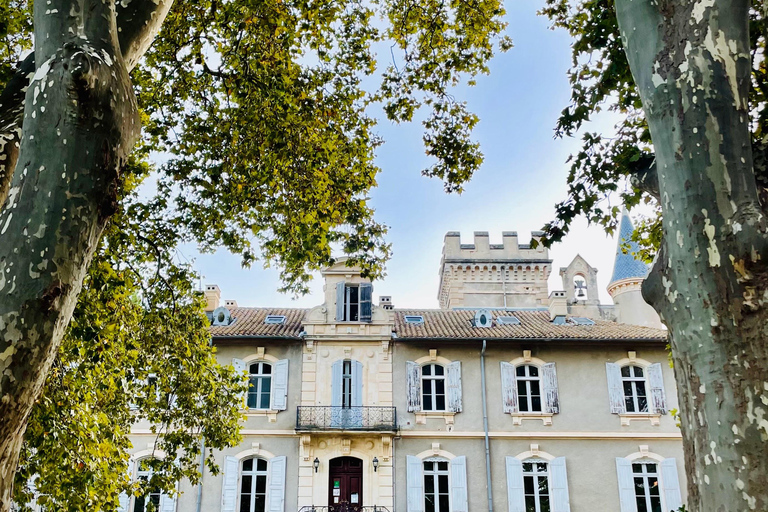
x,y
353,498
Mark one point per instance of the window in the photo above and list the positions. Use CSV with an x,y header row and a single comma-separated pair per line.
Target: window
x,y
144,474
260,380
633,383
414,319
346,384
351,303
436,489
433,385
274,319
507,320
354,302
646,479
528,388
536,486
253,485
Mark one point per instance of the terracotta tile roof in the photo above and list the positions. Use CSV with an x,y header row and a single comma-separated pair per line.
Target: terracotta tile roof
x,y
457,324
250,322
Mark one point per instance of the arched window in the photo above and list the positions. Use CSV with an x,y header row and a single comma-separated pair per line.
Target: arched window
x,y
536,485
436,487
528,388
433,387
580,290
633,385
260,379
636,389
253,485
144,473
645,476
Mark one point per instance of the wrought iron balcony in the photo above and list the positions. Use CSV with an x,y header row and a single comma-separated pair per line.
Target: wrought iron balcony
x,y
343,507
321,417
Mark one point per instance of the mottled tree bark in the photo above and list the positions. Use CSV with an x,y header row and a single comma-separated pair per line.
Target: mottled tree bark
x,y
691,62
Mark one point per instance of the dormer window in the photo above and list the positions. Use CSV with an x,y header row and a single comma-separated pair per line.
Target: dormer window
x,y
353,302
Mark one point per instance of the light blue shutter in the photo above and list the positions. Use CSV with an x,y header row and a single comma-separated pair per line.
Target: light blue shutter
x,y
413,378
454,386
459,485
615,389
167,503
515,491
279,398
229,484
276,486
415,484
340,302
670,485
239,366
626,485
357,384
508,388
336,387
559,486
658,397
124,500
549,383
366,299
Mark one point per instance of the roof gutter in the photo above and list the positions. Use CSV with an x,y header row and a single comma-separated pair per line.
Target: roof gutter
x,y
528,340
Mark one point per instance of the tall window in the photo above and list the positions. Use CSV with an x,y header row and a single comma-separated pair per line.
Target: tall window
x,y
436,490
346,384
144,474
253,485
633,382
528,388
433,386
351,303
536,486
646,479
260,385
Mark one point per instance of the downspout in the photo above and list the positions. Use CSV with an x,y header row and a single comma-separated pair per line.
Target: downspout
x,y
485,427
202,472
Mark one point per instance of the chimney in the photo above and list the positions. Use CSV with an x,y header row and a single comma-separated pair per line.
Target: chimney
x,y
212,296
385,302
557,305
230,303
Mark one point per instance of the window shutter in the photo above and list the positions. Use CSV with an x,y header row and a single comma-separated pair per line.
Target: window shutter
x,y
615,390
229,484
509,388
454,386
167,503
279,399
340,302
670,485
459,485
239,366
626,485
336,370
656,381
124,500
276,485
549,383
559,486
415,484
357,384
413,378
366,298
515,491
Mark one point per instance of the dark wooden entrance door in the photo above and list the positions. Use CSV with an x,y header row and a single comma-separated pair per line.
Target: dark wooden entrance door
x,y
345,487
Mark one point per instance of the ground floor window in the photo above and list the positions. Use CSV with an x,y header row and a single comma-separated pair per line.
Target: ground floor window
x,y
646,479
436,487
141,503
253,485
536,485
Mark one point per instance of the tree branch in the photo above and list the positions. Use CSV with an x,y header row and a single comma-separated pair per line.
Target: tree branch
x,y
645,177
138,22
11,115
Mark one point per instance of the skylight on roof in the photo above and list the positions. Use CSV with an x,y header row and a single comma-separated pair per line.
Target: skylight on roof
x,y
275,319
507,320
414,319
559,320
580,320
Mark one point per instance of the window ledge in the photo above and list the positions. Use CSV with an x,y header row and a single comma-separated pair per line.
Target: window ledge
x,y
270,414
518,417
421,416
628,417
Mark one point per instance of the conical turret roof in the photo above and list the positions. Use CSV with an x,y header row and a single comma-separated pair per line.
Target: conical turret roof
x,y
627,265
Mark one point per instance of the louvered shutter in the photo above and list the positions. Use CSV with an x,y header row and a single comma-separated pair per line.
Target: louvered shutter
x,y
626,485
508,388
459,484
276,485
670,485
415,484
279,398
229,484
340,302
515,491
366,299
239,366
559,486
336,388
549,383
615,389
167,503
124,500
413,378
357,384
656,381
454,386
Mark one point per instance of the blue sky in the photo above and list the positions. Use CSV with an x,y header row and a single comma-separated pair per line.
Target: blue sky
x,y
522,178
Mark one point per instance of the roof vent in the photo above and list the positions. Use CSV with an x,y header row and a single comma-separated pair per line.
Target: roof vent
x,y
414,319
580,320
275,319
483,318
221,316
230,303
508,320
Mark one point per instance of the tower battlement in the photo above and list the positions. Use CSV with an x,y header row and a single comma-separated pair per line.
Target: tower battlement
x,y
483,250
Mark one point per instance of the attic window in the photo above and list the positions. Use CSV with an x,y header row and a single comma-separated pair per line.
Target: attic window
x,y
275,319
508,320
580,320
559,320
414,319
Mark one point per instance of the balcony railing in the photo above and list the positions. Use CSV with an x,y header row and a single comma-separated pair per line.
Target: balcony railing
x,y
343,507
321,417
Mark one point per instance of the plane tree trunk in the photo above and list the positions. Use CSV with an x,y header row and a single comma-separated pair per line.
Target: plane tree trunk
x,y
691,63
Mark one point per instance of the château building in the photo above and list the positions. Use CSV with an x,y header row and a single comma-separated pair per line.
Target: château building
x,y
510,397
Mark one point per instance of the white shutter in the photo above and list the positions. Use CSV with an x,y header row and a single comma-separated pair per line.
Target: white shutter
x,y
615,389
413,378
336,386
626,485
549,383
658,397
454,386
239,366
415,484
124,500
279,398
229,484
559,486
515,491
670,485
276,485
167,503
459,484
357,384
508,388
340,302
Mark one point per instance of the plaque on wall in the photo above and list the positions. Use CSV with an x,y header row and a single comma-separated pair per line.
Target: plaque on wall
x,y
353,498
